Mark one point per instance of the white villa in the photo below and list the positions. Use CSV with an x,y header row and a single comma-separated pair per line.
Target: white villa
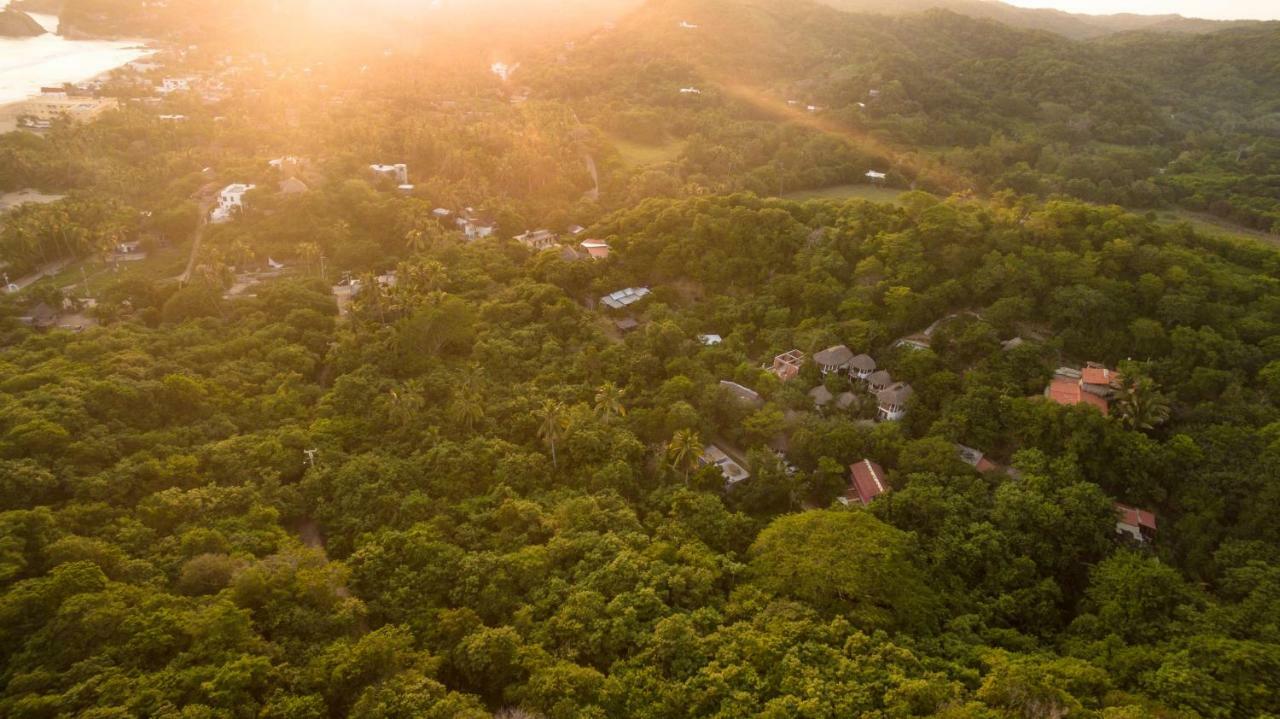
x,y
230,201
398,172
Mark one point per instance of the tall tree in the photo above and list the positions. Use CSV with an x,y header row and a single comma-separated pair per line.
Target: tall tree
x,y
683,451
554,421
1139,403
609,401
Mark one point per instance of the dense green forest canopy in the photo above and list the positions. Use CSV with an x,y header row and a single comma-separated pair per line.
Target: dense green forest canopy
x,y
337,458
1143,120
465,495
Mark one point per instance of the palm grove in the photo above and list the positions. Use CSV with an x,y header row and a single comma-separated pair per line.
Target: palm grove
x,y
471,494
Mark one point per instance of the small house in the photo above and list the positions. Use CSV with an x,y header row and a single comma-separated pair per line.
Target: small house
x,y
878,380
1098,380
397,173
861,366
833,359
891,402
596,249
876,178
745,395
1068,387
537,240
732,471
293,186
913,342
975,458
1134,523
624,298
710,340
866,482
821,396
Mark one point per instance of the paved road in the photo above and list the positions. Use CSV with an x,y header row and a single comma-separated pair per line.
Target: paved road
x,y
46,270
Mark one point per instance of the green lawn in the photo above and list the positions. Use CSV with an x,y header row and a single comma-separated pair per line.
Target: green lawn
x,y
636,154
160,264
1211,225
861,191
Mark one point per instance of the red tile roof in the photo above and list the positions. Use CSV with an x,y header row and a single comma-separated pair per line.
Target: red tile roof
x,y
868,481
1136,517
1068,391
1099,376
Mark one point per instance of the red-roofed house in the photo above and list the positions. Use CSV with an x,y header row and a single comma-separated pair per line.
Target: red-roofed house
x,y
1139,524
867,481
1069,391
1101,376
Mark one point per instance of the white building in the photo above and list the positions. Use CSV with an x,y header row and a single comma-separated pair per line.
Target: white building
x,y
874,176
230,202
537,240
729,469
398,173
623,298
174,84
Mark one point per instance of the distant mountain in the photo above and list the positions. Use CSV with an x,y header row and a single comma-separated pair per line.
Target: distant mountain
x,y
1056,21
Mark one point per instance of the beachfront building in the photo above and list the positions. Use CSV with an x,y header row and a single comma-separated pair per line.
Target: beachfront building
x,y
41,111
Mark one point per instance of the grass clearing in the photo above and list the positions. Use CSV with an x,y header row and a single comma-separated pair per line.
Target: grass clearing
x,y
1210,225
638,154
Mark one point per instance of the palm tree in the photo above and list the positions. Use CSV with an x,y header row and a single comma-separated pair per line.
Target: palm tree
x,y
310,251
1139,404
407,401
554,422
609,401
467,408
416,239
684,451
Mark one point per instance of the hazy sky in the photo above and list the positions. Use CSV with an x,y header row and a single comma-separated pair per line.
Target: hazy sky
x,y
1219,9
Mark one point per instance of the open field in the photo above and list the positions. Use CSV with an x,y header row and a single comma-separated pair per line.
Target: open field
x,y
636,154
1211,225
862,191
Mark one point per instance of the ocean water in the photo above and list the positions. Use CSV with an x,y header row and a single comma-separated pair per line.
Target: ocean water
x,y
27,64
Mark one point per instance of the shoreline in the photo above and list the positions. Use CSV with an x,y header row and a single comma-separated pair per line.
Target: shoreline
x,y
10,109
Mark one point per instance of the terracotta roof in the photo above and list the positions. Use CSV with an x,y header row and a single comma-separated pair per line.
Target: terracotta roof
x,y
868,481
1067,391
1099,375
1136,517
